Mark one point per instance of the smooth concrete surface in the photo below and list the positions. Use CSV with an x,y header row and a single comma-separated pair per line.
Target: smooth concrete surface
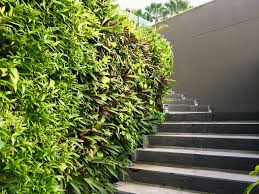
x,y
181,101
214,122
202,151
205,158
232,127
188,116
183,108
195,172
212,136
217,141
138,188
211,181
217,54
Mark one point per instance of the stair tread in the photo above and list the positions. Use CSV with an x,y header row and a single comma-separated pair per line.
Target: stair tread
x,y
204,151
211,122
209,135
142,188
191,105
185,99
188,113
215,174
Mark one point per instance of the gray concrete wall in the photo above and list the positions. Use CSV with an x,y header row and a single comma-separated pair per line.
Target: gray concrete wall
x,y
216,48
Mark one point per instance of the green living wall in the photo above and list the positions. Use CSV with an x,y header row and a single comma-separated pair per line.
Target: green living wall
x,y
79,87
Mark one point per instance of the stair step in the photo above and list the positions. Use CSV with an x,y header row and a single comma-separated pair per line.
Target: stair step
x,y
175,96
235,116
188,116
186,108
194,179
210,127
217,141
142,188
215,116
181,101
210,158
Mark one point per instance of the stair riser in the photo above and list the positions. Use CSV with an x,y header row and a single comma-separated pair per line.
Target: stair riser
x,y
203,184
121,192
219,162
187,108
236,116
210,128
215,116
180,101
217,143
175,96
189,117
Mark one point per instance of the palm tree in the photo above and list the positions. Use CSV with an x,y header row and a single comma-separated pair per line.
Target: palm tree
x,y
140,14
155,11
165,13
147,16
137,12
182,5
171,6
177,6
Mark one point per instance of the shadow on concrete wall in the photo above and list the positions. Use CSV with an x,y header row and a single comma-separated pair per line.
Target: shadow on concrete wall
x,y
216,49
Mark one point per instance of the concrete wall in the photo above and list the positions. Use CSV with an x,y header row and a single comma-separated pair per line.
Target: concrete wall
x,y
216,48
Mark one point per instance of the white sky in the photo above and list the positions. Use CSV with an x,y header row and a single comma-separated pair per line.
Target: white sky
x,y
134,4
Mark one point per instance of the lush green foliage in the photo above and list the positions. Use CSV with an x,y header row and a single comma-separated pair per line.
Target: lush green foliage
x,y
251,187
158,11
79,86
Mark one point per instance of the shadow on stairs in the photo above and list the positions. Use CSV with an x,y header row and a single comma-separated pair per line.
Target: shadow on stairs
x,y
195,151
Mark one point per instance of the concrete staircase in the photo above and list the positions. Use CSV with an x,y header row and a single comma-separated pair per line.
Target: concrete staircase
x,y
195,151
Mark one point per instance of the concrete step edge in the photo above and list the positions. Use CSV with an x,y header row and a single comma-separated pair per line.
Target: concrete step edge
x,y
182,101
211,123
222,127
144,188
214,174
186,108
189,113
206,141
207,135
203,151
187,105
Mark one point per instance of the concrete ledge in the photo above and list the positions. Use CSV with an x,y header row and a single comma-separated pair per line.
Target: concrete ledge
x,y
190,178
217,141
208,158
210,127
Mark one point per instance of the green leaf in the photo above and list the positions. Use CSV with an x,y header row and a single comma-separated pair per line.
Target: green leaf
x,y
105,80
1,144
100,154
62,167
2,9
251,187
76,187
51,84
14,77
4,72
80,85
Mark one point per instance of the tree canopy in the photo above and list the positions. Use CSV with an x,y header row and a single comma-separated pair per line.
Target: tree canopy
x,y
158,11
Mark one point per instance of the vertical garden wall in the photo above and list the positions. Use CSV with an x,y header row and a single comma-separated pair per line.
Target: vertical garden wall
x,y
79,87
